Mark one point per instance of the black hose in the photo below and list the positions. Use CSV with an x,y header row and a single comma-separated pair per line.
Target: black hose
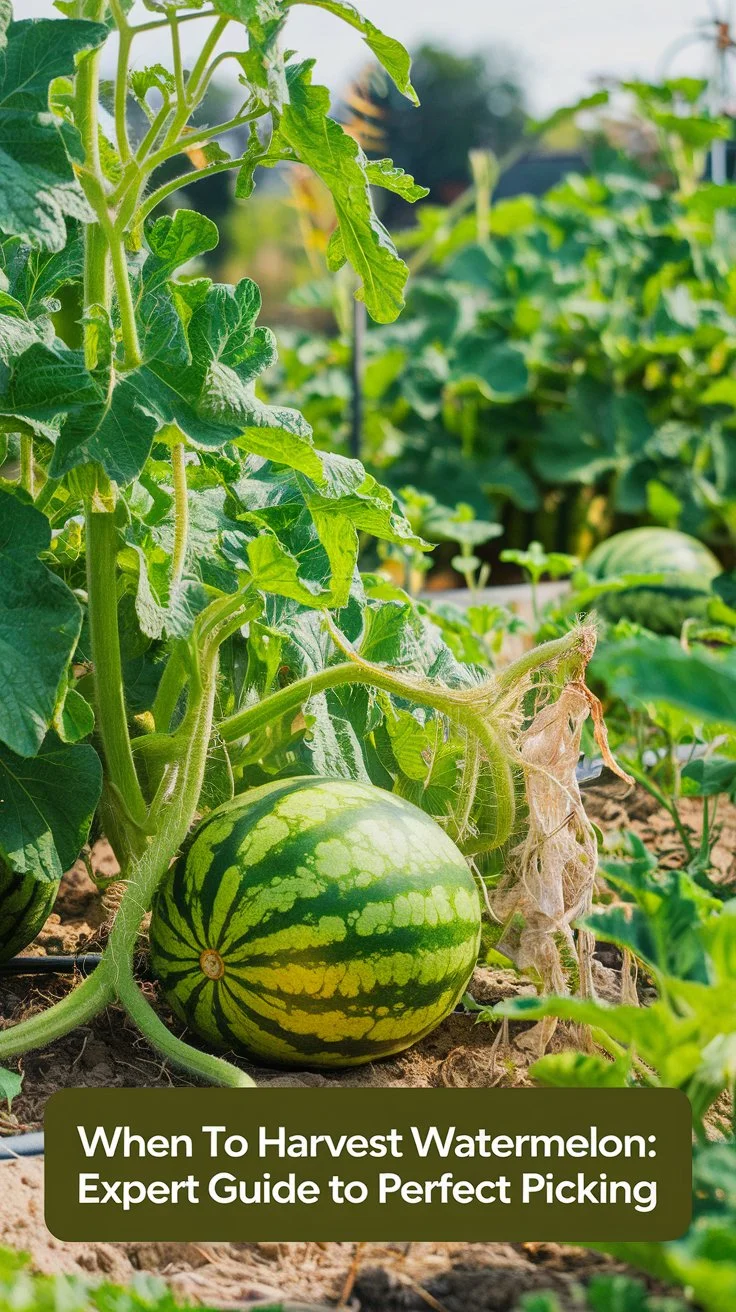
x,y
85,963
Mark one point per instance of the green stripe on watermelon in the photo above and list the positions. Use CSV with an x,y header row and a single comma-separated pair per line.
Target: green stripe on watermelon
x,y
652,551
317,922
687,567
25,904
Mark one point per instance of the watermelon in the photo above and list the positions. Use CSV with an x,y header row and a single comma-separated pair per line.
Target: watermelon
x,y
663,607
25,903
316,922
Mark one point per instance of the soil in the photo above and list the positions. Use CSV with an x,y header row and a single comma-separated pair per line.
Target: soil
x,y
372,1278
363,1278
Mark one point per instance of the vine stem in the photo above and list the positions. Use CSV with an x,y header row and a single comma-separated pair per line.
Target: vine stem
x,y
113,978
173,21
183,180
453,704
155,24
125,301
210,1069
101,541
181,514
125,39
78,1007
174,824
26,464
548,653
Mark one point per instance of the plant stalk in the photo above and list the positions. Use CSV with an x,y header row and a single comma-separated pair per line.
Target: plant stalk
x,y
27,473
181,514
105,639
78,1007
441,699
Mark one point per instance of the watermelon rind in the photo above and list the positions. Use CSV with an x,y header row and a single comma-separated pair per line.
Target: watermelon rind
x,y
652,551
688,567
316,923
25,903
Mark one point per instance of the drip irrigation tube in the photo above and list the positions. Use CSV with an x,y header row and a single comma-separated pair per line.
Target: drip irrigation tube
x,y
21,1145
85,963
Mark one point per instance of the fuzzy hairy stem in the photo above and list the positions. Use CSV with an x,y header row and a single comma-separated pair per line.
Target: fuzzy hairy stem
x,y
181,514
577,644
114,978
125,39
444,700
203,1065
78,1007
26,464
109,692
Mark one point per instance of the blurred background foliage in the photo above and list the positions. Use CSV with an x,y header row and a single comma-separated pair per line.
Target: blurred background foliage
x,y
565,366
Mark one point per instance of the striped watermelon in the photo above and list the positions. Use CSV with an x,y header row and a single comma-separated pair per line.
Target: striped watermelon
x,y
316,922
662,607
25,903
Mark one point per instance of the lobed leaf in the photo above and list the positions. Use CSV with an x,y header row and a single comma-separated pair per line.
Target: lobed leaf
x,y
337,159
46,806
39,186
40,622
389,52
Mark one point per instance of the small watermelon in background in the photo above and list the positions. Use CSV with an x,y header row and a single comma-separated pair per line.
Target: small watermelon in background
x,y
663,607
316,922
25,903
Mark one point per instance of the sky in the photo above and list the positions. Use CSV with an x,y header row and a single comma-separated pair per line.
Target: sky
x,y
561,44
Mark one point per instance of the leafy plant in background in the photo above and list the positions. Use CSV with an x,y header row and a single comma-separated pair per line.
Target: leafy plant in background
x,y
182,609
677,928
23,1291
568,359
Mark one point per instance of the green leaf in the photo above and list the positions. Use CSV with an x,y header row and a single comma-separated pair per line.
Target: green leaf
x,y
11,1083
538,127
498,367
353,502
46,806
153,78
247,11
663,936
53,391
722,392
308,549
384,173
710,776
276,570
698,133
651,669
39,187
389,52
159,613
174,240
40,621
577,1070
254,153
17,331
76,719
337,159
211,394
164,309
35,277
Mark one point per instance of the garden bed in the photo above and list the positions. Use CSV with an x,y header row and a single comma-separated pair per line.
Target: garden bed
x,y
109,1053
374,1277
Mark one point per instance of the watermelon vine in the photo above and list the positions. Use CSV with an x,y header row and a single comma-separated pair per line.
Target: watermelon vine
x,y
180,564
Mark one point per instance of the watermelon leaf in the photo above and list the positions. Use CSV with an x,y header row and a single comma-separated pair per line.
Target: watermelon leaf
x,y
39,186
46,807
10,1085
40,621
